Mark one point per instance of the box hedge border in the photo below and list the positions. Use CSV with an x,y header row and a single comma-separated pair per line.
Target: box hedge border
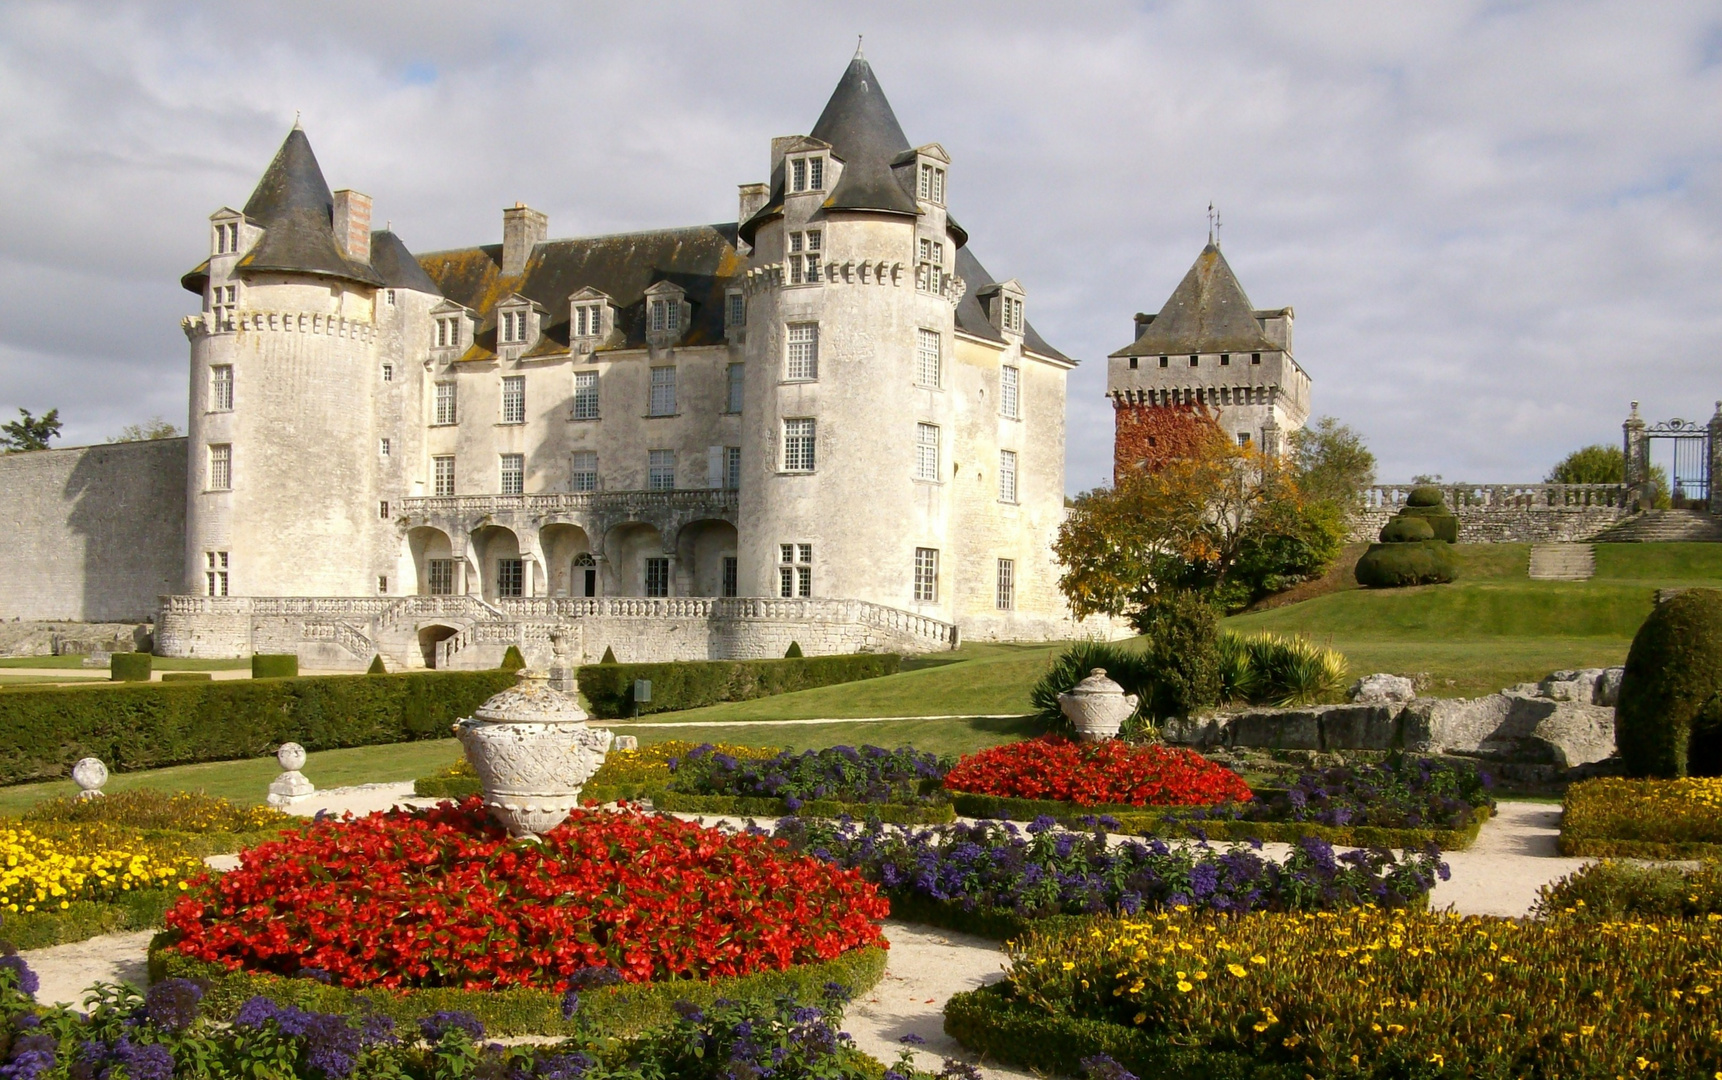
x,y
623,1010
139,909
1597,847
1145,821
677,802
465,787
132,726
989,1022
609,688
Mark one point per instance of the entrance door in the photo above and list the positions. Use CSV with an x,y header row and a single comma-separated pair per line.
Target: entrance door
x,y
591,581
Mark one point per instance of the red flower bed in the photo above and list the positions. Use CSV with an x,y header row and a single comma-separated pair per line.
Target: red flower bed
x,y
443,897
1094,774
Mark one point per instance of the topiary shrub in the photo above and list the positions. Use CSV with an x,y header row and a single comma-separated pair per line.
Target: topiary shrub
x,y
512,660
1406,530
274,665
1669,720
1393,566
129,667
793,652
377,667
1183,632
1441,520
1424,495
609,656
186,676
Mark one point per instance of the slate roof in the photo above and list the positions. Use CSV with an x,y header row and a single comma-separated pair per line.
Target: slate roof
x,y
1207,313
397,266
702,260
972,317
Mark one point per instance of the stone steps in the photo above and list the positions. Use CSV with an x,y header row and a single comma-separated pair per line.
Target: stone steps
x,y
1664,526
1562,562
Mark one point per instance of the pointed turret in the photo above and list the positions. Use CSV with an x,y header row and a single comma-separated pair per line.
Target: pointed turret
x,y
1207,313
294,207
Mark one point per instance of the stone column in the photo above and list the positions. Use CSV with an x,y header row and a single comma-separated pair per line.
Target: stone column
x,y
460,575
1713,462
1637,448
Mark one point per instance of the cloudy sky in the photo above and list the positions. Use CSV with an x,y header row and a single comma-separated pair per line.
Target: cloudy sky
x,y
1498,222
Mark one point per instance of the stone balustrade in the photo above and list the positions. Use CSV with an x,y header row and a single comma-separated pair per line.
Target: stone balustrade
x,y
1506,513
712,500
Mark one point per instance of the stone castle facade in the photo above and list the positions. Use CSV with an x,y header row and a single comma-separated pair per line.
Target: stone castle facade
x,y
825,422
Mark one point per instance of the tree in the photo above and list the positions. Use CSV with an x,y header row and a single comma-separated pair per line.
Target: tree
x,y
1226,521
1600,464
1332,463
30,432
154,428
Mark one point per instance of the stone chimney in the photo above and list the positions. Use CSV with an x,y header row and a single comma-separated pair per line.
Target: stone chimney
x,y
753,197
522,228
353,225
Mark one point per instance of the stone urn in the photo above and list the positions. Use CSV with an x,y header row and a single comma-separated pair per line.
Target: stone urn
x,y
1097,707
533,752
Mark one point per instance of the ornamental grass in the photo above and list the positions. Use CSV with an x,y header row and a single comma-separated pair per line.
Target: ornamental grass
x,y
1110,773
1648,818
42,873
444,898
1375,993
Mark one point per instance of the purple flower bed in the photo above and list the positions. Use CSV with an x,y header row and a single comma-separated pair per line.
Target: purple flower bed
x,y
1399,793
870,774
1044,870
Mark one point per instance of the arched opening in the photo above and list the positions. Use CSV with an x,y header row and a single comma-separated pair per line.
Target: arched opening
x,y
502,569
429,638
563,546
585,575
429,562
638,564
705,552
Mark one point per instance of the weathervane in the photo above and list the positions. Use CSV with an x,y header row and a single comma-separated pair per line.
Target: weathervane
x,y
1213,224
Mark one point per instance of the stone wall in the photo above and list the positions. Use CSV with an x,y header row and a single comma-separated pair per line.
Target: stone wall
x,y
97,532
1507,513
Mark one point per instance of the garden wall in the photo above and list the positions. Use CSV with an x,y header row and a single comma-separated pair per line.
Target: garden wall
x,y
1506,513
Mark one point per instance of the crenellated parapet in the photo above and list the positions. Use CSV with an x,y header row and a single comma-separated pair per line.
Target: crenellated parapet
x,y
207,324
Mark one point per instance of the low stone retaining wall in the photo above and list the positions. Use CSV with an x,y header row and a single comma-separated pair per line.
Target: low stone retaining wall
x,y
1506,513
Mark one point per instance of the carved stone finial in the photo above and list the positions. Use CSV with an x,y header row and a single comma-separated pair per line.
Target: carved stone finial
x,y
89,774
291,786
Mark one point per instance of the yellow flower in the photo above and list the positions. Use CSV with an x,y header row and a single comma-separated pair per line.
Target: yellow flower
x,y
1236,969
1184,987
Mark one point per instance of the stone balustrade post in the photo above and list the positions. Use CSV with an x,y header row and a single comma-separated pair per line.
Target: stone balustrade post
x,y
1637,450
1713,462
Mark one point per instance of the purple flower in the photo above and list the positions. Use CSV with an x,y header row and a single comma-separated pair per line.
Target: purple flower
x,y
32,1055
172,1004
1101,1067
570,1004
24,978
912,1039
256,1012
589,978
316,974
437,1025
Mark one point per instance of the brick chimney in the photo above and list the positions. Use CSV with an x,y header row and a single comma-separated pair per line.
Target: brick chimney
x,y
522,228
353,225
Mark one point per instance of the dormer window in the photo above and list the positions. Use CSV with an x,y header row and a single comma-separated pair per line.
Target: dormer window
x,y
666,315
806,249
448,332
932,187
226,237
1012,314
930,268
807,173
513,327
223,302
588,320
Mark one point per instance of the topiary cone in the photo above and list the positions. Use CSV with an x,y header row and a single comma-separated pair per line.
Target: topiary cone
x,y
793,652
1669,720
512,660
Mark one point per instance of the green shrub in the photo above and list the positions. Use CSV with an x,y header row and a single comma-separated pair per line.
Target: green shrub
x,y
1441,521
1669,720
1405,530
130,666
609,688
377,667
186,676
1610,891
1424,495
1128,668
1392,566
80,920
44,730
1183,652
609,656
793,652
512,660
274,665
1281,670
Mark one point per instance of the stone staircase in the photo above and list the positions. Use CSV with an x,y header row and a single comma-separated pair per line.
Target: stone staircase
x,y
1562,562
1664,526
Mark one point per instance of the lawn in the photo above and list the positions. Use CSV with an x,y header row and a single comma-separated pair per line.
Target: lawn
x,y
159,663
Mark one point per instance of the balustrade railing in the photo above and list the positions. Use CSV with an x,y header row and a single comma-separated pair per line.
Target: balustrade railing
x,y
1505,496
550,502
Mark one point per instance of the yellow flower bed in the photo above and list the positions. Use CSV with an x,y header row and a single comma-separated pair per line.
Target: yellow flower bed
x,y
1687,811
1369,992
47,873
146,808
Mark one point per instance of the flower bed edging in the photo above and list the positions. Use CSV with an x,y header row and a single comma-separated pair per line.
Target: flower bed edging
x,y
140,909
744,806
1583,847
623,1009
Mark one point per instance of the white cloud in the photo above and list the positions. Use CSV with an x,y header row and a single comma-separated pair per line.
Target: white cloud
x,y
1497,222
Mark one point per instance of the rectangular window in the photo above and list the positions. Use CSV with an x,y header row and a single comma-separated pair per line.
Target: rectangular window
x,y
391,295
1012,315
1163,361
735,382
661,470
663,399
585,395
513,327
584,476
1005,595
927,575
803,351
816,174
439,577
448,332
732,468
514,399
222,299
513,474
384,446
729,576
736,309
1243,438
382,585
926,452
510,576
798,174
383,509
806,251
444,475
1007,476
221,388
795,571
1255,358
1225,359
588,320
927,358
446,411
658,576
930,273
798,446
388,373
932,183
215,573
220,467
1010,392
666,315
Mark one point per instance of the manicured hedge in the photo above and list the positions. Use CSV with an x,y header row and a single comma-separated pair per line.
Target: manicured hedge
x,y
129,666
141,909
43,731
1151,821
186,676
609,688
743,806
274,665
617,1010
1669,720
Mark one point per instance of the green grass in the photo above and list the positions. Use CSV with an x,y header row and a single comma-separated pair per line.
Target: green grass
x,y
159,663
1662,564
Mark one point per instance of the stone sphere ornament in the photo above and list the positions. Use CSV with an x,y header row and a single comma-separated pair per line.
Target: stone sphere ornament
x,y
1097,707
533,752
89,774
291,786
